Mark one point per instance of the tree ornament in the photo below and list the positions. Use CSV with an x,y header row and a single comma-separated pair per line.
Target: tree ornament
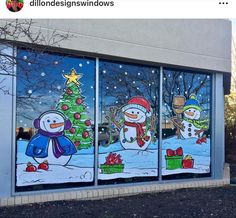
x,y
30,167
44,166
87,122
85,134
77,116
72,130
64,107
77,143
69,91
79,101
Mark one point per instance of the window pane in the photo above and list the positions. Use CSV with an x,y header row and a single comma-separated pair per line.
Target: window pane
x,y
186,144
128,145
55,115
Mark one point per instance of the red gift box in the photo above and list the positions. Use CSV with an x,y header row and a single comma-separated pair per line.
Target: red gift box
x,y
188,163
113,164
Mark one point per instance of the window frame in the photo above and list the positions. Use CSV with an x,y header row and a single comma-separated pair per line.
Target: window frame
x,y
211,106
215,79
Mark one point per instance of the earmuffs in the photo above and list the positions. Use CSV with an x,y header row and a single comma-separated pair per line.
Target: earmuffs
x,y
67,125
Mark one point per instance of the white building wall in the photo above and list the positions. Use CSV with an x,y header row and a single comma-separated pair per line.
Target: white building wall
x,y
199,43
204,44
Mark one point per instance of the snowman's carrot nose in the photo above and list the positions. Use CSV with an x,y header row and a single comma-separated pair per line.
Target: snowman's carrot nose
x,y
189,113
133,116
55,125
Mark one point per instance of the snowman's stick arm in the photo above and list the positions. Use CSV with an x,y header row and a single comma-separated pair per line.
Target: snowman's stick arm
x,y
153,120
176,124
118,126
198,132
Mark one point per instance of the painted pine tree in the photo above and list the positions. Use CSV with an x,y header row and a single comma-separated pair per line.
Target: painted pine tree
x,y
72,105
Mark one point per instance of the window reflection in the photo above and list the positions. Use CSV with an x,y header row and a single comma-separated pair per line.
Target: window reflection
x,y
55,119
186,124
128,145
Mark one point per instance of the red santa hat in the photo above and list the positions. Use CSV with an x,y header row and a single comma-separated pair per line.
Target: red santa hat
x,y
140,103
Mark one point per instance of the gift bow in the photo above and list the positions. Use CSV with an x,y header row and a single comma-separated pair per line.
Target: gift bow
x,y
113,158
188,157
177,152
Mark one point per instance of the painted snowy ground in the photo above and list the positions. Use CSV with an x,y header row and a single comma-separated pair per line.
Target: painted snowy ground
x,y
144,163
55,174
136,163
79,169
200,154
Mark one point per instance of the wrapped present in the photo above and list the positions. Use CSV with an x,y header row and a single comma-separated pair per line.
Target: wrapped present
x,y
113,158
174,158
188,162
113,164
109,169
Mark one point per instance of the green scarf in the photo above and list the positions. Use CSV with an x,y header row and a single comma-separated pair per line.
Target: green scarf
x,y
200,124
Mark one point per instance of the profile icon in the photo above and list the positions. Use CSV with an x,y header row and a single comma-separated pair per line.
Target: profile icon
x,y
14,5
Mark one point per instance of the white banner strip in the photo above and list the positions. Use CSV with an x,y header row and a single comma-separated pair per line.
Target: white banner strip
x,y
120,9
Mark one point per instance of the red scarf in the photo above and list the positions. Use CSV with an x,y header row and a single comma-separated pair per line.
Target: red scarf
x,y
139,132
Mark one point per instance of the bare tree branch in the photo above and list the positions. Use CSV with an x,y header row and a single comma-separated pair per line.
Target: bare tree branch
x,y
24,35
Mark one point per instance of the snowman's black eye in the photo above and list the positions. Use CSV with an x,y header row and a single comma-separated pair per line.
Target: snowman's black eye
x,y
194,111
137,112
132,112
48,121
54,121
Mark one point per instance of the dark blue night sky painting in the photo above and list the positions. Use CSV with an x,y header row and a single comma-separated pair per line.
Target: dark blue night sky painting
x,y
40,83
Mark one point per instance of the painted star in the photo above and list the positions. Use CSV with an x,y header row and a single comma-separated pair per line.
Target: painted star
x,y
73,77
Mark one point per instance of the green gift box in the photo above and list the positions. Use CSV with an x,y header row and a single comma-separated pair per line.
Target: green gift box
x,y
173,162
114,168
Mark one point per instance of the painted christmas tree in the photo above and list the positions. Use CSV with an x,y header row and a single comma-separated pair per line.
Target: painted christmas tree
x,y
72,105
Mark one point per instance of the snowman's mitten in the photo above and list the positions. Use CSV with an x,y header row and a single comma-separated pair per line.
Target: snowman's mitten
x,y
113,111
146,138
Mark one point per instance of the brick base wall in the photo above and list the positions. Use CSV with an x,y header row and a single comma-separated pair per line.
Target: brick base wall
x,y
112,192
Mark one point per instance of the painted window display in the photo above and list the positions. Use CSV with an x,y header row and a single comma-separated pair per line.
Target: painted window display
x,y
186,113
128,122
55,122
55,119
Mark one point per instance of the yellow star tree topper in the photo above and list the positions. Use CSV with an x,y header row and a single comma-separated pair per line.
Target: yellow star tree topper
x,y
73,77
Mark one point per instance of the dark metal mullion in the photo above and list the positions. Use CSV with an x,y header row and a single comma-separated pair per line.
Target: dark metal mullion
x,y
160,126
212,125
96,123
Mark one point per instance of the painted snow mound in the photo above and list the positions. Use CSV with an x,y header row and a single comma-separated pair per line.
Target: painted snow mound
x,y
199,152
136,163
55,175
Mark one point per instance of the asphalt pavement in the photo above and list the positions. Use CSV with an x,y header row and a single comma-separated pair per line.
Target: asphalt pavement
x,y
201,202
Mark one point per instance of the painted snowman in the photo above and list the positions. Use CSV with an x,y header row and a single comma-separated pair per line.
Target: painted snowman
x,y
50,145
134,134
192,125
